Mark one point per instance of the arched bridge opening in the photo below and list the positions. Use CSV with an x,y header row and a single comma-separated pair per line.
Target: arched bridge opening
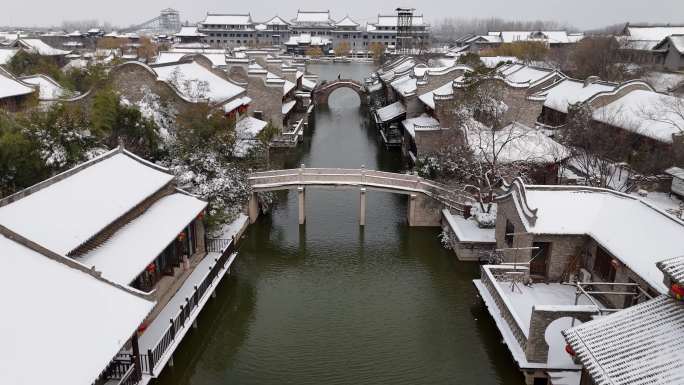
x,y
322,92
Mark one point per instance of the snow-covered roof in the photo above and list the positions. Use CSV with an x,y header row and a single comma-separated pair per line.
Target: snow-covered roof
x,y
70,208
236,103
306,38
249,127
405,85
313,18
79,63
168,57
49,89
11,87
189,31
227,19
551,37
127,252
277,20
288,86
645,113
309,83
570,91
191,78
673,268
40,47
6,54
217,59
392,21
428,97
347,22
676,41
652,33
522,74
632,230
516,143
288,106
65,313
641,345
676,172
424,122
664,81
389,112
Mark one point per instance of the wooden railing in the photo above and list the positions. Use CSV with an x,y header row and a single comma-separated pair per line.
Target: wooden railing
x,y
226,247
401,183
120,368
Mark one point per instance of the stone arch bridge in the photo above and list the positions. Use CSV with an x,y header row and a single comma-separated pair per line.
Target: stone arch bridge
x,y
322,92
426,198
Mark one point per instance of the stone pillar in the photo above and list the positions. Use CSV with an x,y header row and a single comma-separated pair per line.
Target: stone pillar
x,y
253,207
412,209
301,195
362,207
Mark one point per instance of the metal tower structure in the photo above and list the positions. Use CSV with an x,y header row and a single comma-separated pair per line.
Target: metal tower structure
x,y
168,22
404,29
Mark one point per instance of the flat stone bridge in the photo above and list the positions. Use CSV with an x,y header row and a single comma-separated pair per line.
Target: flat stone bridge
x,y
322,92
426,198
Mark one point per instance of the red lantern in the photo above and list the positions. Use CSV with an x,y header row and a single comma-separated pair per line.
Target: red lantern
x,y
678,291
151,267
570,350
181,236
142,327
200,216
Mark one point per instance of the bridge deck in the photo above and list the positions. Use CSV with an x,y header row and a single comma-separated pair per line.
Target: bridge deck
x,y
357,178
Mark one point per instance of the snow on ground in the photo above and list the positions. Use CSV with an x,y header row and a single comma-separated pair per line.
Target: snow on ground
x,y
467,230
524,298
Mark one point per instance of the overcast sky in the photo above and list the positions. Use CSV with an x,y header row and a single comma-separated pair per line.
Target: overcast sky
x,y
580,13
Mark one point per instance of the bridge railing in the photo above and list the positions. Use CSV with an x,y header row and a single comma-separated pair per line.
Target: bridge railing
x,y
361,177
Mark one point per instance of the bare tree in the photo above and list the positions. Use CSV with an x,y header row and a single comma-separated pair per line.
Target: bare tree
x,y
597,151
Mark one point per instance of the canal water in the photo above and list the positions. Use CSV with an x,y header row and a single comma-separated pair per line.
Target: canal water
x,y
332,303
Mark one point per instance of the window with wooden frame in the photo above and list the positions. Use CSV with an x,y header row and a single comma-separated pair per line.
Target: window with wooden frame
x,y
603,265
